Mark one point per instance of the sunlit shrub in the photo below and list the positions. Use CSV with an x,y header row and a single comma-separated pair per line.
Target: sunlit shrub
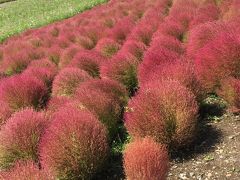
x,y
19,137
68,79
74,146
166,111
145,159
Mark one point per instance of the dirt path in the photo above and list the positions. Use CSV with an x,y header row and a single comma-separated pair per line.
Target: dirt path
x,y
216,155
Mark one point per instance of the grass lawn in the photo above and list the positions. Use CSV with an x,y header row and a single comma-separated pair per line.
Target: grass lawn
x,y
3,1
20,15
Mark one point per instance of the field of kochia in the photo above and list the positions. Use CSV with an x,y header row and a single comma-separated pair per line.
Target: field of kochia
x,y
111,92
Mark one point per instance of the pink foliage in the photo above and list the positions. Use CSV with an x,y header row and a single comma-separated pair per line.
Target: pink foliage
x,y
145,159
107,47
67,80
74,136
217,60
20,135
26,170
23,91
166,111
88,61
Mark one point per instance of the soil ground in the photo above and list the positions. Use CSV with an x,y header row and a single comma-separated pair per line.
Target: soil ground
x,y
214,156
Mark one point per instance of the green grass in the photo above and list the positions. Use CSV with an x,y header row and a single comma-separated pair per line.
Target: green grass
x,y
3,1
17,16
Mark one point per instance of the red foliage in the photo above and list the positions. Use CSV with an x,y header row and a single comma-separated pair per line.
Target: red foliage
x,y
20,135
103,105
88,61
135,48
166,111
25,170
145,159
74,146
153,58
55,103
206,13
23,91
200,35
167,42
67,80
229,91
122,68
107,47
217,60
85,42
68,55
54,54
121,29
181,71
5,112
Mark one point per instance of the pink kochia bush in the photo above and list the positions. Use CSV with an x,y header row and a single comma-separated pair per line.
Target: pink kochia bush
x,y
74,146
166,111
88,61
217,60
68,79
122,68
5,112
105,106
21,91
182,71
25,170
19,137
107,47
145,159
230,91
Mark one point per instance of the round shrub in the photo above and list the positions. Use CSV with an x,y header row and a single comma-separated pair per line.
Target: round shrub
x,y
200,35
135,48
182,71
25,170
107,47
145,159
5,112
88,61
103,105
85,42
122,68
229,91
22,91
217,60
68,79
112,88
166,111
74,146
55,103
19,137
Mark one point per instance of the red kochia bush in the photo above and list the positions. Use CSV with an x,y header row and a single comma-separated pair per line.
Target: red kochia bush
x,y
166,111
145,159
182,71
55,103
88,61
135,48
25,170
112,88
122,68
68,80
103,105
23,91
74,146
230,91
107,47
217,60
19,137
5,112
200,35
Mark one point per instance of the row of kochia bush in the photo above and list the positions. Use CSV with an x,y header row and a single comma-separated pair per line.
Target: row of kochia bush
x,y
64,87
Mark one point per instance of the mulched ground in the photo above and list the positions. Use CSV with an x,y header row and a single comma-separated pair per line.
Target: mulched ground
x,y
214,156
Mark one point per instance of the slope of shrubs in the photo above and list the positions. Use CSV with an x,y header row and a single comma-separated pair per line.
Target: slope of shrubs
x,y
71,91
